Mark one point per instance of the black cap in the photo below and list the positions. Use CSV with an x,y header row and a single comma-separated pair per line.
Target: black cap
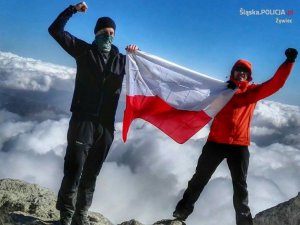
x,y
104,22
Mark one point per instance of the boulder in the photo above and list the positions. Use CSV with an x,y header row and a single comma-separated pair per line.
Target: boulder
x,y
287,213
22,203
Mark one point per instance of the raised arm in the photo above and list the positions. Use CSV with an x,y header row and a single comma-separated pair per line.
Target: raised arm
x,y
272,85
68,42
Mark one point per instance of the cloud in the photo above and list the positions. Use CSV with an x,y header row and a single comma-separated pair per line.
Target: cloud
x,y
276,123
36,89
30,74
40,138
33,88
145,177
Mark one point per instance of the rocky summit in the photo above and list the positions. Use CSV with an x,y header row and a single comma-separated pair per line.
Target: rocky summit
x,y
161,222
286,213
22,203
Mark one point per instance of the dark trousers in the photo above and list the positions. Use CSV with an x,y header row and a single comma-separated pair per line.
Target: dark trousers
x,y
88,146
212,155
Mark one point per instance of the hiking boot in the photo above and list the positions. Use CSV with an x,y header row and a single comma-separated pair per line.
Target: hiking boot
x,y
65,217
179,215
80,218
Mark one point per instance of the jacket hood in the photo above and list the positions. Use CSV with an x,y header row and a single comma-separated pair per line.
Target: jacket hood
x,y
244,63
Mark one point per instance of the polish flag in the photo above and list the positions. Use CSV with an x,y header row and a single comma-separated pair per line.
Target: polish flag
x,y
176,100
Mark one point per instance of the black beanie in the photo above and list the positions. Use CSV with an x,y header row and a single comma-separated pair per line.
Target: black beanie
x,y
104,22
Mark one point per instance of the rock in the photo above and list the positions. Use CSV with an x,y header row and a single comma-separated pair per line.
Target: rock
x,y
22,203
161,222
98,219
131,222
169,222
287,213
18,196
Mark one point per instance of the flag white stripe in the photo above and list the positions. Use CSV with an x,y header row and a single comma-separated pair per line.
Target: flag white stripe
x,y
180,87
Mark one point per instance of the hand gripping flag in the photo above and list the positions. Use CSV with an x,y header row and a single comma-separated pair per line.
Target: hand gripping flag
x,y
175,99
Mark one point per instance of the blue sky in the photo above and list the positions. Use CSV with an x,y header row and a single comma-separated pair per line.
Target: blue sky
x,y
207,36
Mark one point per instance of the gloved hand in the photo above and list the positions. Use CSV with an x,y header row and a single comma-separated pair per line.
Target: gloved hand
x,y
291,55
231,85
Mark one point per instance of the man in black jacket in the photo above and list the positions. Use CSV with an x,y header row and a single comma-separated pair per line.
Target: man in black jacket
x,y
100,72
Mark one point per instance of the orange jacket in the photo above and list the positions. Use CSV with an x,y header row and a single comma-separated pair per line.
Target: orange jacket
x,y
232,124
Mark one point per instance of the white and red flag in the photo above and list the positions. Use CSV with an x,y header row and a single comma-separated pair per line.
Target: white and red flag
x,y
175,99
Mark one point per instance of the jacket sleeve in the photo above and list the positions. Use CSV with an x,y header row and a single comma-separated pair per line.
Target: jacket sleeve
x,y
267,88
67,41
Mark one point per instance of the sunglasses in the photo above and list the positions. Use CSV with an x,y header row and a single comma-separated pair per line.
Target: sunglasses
x,y
242,69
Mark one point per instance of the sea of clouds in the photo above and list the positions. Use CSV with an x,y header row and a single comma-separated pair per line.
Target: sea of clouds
x,y
145,177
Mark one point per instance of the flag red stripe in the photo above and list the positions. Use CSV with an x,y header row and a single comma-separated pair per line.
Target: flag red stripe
x,y
180,125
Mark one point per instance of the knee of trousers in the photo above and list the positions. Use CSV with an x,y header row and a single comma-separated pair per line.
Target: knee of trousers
x,y
74,160
88,183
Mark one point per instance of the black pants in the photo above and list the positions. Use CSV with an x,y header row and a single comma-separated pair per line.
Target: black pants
x,y
212,155
88,146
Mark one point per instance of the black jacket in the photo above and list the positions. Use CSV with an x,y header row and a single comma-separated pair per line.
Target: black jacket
x,y
97,84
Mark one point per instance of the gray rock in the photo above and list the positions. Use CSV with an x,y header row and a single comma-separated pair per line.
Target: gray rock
x,y
286,213
169,222
18,196
98,219
131,222
22,203
161,222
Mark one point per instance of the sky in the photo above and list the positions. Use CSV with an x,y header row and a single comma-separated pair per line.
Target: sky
x,y
148,177
207,36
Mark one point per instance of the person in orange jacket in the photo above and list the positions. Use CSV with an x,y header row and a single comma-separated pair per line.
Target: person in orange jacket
x,y
229,138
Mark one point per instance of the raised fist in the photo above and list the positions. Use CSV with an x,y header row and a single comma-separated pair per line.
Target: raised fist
x,y
81,7
291,54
